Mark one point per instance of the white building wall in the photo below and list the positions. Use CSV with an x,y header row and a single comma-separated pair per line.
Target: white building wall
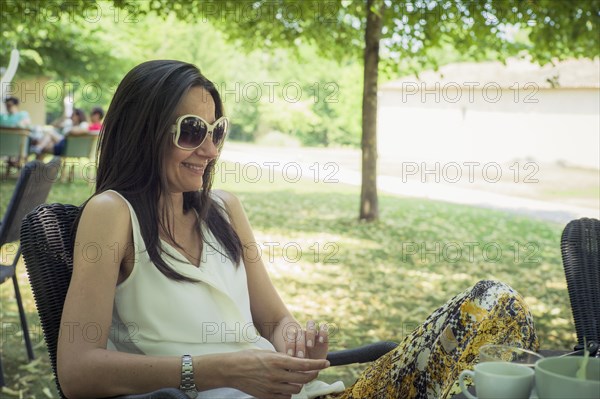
x,y
493,125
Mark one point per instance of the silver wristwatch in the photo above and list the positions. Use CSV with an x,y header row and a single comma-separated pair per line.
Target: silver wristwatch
x,y
187,377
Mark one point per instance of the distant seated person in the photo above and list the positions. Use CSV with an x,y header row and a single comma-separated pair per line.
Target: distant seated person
x,y
96,120
13,117
54,141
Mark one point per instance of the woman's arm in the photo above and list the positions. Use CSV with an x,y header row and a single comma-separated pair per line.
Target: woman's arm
x,y
269,313
80,129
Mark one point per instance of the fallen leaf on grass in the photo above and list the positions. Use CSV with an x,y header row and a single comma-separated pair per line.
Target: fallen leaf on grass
x,y
28,378
31,366
40,344
10,392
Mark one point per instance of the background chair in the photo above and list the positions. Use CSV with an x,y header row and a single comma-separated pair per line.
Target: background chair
x,y
79,146
47,237
14,143
580,245
31,190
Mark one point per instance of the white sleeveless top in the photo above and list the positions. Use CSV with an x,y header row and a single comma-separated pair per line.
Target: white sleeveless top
x,y
158,316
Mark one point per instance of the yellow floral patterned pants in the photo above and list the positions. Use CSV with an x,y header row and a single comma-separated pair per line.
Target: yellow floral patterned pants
x,y
426,364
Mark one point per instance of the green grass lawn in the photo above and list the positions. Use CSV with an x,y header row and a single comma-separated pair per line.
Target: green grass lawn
x,y
371,281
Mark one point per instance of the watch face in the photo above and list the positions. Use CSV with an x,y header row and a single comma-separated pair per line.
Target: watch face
x,y
191,393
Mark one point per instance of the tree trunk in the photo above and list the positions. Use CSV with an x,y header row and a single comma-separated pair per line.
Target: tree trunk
x,y
369,208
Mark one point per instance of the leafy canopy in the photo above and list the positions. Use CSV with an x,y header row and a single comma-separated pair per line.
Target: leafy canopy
x,y
412,30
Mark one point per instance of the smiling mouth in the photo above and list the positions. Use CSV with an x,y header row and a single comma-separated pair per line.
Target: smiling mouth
x,y
194,167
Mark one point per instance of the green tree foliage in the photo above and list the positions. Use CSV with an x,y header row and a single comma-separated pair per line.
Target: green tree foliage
x,y
55,38
411,30
92,47
62,41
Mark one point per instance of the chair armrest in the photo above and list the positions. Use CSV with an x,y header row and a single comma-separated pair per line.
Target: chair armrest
x,y
362,354
20,131
83,133
164,393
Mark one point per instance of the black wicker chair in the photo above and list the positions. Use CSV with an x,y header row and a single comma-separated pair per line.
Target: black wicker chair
x,y
580,247
47,237
31,190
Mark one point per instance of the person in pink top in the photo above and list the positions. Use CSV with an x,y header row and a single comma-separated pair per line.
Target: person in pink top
x,y
96,119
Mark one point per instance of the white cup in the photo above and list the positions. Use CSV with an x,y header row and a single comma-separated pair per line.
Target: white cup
x,y
499,380
556,378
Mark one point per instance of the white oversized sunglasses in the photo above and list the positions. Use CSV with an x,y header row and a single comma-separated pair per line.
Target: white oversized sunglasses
x,y
190,131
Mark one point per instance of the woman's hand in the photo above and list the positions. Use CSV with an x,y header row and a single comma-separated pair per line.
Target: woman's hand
x,y
265,374
312,343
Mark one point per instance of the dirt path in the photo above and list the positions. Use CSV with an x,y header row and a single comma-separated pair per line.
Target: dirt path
x,y
552,192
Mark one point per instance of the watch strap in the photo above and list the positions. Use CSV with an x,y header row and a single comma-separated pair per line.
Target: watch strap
x,y
188,386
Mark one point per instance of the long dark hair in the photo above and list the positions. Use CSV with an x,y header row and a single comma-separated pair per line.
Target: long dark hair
x,y
80,115
132,145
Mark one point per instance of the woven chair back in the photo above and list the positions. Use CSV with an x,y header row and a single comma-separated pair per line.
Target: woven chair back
x,y
47,238
581,260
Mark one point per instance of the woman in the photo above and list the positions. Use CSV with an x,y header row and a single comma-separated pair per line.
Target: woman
x,y
163,269
54,141
170,262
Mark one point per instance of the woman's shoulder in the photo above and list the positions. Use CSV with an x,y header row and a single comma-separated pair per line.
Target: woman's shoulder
x,y
233,207
109,205
226,198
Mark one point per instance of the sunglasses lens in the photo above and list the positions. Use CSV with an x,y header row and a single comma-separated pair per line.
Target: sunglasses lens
x,y
193,131
219,132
